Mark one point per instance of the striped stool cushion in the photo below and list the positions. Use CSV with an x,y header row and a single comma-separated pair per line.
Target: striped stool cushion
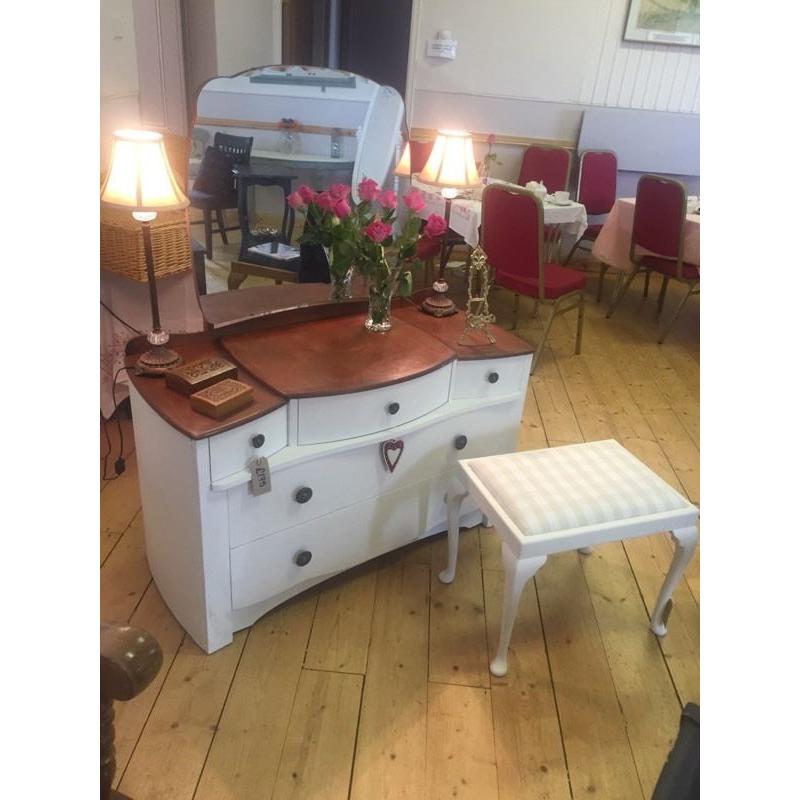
x,y
575,486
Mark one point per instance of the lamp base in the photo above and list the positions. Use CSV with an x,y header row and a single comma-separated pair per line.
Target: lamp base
x,y
157,360
439,304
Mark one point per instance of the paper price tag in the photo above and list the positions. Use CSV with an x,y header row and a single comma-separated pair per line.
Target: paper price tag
x,y
260,481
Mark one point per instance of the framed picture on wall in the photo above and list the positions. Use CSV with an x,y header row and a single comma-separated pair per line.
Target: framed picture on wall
x,y
664,22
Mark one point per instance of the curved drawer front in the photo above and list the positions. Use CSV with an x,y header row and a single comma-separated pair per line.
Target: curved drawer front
x,y
345,416
231,451
275,564
347,477
491,377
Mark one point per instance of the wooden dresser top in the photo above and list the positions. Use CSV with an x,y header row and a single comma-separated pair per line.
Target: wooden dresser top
x,y
336,356
315,352
174,407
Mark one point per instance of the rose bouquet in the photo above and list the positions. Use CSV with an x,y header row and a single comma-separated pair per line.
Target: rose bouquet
x,y
369,236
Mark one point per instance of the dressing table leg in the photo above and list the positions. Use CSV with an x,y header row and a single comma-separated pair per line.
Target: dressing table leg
x,y
455,497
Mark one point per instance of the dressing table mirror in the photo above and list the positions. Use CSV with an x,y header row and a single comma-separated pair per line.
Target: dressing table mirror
x,y
300,125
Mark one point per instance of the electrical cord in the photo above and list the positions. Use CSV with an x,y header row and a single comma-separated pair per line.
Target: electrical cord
x,y
119,464
119,319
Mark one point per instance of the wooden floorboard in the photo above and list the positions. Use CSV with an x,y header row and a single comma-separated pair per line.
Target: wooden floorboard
x,y
376,686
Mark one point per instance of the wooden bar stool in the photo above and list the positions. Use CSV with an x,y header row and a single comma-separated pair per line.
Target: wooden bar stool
x,y
568,498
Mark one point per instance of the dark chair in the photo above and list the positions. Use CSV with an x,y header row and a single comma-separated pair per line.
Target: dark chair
x,y
512,236
659,219
548,165
597,191
214,188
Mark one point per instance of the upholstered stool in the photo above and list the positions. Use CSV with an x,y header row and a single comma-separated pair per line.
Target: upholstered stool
x,y
568,498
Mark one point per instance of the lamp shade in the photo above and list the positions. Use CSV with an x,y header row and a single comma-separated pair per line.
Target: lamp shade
x,y
452,162
140,178
403,168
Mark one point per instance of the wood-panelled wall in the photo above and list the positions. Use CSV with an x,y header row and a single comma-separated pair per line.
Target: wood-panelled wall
x,y
633,75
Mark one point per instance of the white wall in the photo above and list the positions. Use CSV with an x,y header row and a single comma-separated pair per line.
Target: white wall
x,y
532,65
248,34
119,80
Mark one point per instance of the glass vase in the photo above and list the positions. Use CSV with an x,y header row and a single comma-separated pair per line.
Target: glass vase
x,y
342,286
379,318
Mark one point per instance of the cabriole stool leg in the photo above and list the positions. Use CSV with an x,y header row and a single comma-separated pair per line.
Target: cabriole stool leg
x,y
455,496
685,543
517,573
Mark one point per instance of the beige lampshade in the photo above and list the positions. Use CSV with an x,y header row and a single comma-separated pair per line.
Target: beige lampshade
x,y
140,178
403,168
452,162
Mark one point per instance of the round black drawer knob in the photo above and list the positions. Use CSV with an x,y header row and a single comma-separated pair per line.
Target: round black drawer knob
x,y
303,495
460,442
393,408
302,557
258,440
492,377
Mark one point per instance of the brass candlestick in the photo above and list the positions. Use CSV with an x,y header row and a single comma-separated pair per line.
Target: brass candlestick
x,y
439,304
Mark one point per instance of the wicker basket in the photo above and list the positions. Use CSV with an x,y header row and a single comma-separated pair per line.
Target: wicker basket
x,y
122,244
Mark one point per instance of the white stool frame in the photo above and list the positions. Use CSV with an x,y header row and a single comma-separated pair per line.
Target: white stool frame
x,y
524,556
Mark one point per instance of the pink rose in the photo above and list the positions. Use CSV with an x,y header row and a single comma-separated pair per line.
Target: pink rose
x,y
325,201
378,231
436,226
342,208
306,193
415,201
368,189
491,139
339,191
388,199
295,200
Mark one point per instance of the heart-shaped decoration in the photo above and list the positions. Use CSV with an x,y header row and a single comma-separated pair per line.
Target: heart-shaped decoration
x,y
391,450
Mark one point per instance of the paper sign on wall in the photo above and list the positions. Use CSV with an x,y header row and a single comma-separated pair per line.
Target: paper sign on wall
x,y
443,46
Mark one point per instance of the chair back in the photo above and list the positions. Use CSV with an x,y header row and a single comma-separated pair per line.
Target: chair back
x,y
237,148
659,218
548,165
597,180
512,221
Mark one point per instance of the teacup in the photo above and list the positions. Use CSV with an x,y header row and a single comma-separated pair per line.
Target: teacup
x,y
562,198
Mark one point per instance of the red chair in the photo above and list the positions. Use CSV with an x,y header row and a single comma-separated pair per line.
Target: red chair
x,y
512,228
658,228
597,191
548,165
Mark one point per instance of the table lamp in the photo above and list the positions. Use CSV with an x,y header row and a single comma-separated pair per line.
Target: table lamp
x,y
451,166
141,181
403,168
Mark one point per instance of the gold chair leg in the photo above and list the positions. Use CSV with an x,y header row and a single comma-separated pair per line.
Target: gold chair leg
x,y
646,283
535,309
540,346
572,252
618,295
662,296
668,327
516,311
579,335
603,270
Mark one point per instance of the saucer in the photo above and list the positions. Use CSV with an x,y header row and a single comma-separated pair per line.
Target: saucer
x,y
551,199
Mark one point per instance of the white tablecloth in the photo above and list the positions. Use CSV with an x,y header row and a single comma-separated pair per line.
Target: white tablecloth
x,y
465,215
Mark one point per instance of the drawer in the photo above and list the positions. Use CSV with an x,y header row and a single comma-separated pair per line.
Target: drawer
x,y
330,419
491,377
231,451
294,558
351,476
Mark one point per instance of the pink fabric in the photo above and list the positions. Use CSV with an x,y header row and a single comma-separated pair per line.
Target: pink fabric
x,y
613,244
180,313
